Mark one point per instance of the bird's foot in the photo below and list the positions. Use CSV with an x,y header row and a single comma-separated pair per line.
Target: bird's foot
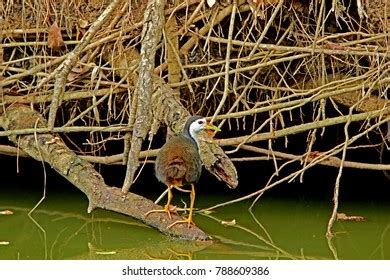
x,y
167,209
187,220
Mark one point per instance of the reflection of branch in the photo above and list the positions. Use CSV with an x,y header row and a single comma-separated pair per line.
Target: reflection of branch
x,y
160,248
152,249
270,245
331,247
67,215
382,245
271,250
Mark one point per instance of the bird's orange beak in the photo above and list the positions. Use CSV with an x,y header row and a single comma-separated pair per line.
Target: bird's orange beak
x,y
211,129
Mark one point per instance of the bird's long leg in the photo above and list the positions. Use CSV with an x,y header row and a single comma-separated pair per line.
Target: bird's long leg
x,y
189,218
167,205
192,201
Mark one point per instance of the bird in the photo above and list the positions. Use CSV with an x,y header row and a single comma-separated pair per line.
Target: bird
x,y
178,163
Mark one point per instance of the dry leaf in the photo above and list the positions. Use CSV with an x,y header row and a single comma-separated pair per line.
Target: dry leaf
x,y
6,212
79,69
83,23
54,39
344,217
229,223
211,3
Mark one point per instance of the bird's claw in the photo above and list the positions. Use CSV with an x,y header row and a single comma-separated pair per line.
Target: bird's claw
x,y
167,209
186,220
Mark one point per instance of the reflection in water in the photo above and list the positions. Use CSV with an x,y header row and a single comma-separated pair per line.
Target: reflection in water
x,y
274,229
77,236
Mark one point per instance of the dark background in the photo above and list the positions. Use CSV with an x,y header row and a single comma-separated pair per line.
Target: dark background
x,y
318,181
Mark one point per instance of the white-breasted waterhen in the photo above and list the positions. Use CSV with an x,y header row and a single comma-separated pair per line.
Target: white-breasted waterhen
x,y
178,163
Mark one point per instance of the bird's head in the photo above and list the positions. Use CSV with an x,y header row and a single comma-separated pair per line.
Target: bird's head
x,y
195,124
198,124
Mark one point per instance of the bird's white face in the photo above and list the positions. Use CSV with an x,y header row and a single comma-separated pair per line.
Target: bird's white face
x,y
198,125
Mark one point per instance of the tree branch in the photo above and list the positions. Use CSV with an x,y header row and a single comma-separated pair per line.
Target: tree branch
x,y
151,35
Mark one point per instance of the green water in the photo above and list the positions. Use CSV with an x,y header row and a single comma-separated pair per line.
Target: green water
x,y
60,228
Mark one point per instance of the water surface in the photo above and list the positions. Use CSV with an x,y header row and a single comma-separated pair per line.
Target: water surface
x,y
60,228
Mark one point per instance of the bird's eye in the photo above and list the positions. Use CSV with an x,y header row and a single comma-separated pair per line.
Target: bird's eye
x,y
200,122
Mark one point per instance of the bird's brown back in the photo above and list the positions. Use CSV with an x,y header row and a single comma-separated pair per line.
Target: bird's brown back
x,y
178,162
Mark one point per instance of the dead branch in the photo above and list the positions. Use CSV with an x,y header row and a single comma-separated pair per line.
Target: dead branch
x,y
301,128
151,35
